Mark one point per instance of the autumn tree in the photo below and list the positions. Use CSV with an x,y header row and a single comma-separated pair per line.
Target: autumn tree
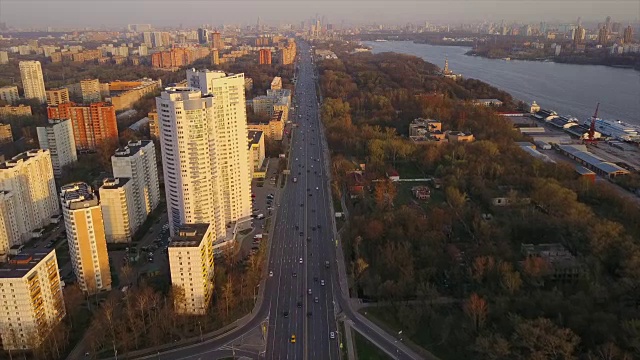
x,y
542,339
493,347
476,310
385,194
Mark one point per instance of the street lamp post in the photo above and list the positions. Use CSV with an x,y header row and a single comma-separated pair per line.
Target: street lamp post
x,y
200,327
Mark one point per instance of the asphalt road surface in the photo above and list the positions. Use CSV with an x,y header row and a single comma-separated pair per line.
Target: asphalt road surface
x,y
301,290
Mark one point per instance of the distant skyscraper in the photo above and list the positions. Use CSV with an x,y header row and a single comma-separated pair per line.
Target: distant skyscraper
x,y
203,36
628,35
265,57
603,36
86,237
607,23
32,80
216,40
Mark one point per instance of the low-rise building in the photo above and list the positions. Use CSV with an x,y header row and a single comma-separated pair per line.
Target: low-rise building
x,y
591,161
422,127
458,136
273,129
562,265
421,192
32,299
355,184
487,102
123,94
256,153
20,110
191,266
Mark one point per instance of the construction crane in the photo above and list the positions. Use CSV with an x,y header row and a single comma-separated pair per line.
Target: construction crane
x,y
592,129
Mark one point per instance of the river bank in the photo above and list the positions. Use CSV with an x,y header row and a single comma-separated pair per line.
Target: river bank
x,y
566,88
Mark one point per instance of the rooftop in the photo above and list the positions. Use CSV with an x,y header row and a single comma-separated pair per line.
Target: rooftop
x,y
24,156
189,235
555,254
114,183
254,137
19,265
132,148
77,195
580,152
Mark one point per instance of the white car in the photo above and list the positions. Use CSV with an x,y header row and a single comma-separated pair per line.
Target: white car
x,y
332,335
270,273
322,282
300,261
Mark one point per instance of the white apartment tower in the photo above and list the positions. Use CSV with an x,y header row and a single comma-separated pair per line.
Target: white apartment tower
x,y
9,234
32,301
57,137
191,264
32,80
29,177
86,237
118,209
231,134
190,159
137,161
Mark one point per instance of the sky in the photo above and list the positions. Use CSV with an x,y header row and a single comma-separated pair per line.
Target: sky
x,y
189,13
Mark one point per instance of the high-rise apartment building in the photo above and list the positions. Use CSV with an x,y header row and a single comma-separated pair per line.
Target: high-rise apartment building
x,y
137,161
57,137
265,57
191,164
32,80
92,124
9,234
216,41
29,177
288,53
215,57
56,97
86,237
9,94
5,133
154,130
203,36
32,303
191,264
627,36
4,57
146,39
603,35
90,89
230,134
118,209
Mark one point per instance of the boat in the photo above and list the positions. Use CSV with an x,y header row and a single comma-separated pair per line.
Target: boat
x,y
380,40
616,129
506,59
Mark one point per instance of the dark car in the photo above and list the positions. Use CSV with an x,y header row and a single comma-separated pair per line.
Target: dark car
x,y
299,304
309,313
286,314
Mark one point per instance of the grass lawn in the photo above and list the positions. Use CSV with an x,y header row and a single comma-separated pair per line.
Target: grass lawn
x,y
366,350
409,171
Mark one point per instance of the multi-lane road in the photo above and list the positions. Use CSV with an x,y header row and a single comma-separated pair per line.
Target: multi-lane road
x,y
300,294
302,301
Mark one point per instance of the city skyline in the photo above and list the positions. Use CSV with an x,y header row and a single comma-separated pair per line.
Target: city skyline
x,y
120,13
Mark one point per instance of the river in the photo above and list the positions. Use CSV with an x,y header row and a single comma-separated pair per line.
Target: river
x,y
566,88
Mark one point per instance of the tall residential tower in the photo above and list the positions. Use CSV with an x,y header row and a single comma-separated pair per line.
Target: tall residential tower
x,y
32,80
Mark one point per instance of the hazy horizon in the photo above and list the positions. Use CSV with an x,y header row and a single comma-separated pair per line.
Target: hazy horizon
x,y
190,13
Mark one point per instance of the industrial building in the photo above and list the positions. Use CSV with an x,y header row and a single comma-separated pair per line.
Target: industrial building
x,y
591,161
